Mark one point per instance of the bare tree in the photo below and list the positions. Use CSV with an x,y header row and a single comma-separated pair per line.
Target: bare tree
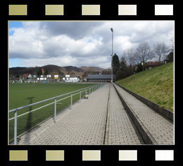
x,y
172,44
129,56
161,50
143,53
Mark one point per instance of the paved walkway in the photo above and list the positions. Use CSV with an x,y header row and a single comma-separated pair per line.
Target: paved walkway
x,y
86,124
160,128
120,128
83,125
100,119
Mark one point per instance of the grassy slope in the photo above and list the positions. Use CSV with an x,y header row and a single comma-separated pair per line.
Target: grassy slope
x,y
24,94
155,84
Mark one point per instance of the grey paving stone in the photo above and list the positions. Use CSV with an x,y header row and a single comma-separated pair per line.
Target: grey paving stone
x,y
83,125
120,128
159,127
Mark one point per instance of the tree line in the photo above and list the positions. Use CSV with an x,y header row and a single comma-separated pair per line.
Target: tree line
x,y
134,60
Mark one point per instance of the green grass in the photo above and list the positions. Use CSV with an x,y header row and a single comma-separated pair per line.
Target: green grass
x,y
24,94
155,84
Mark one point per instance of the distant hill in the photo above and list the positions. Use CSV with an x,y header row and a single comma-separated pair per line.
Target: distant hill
x,y
73,68
53,69
155,84
32,70
22,70
85,68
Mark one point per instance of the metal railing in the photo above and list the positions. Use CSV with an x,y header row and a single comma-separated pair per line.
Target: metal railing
x,y
90,89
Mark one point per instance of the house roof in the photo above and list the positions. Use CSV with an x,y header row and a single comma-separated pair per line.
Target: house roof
x,y
99,77
153,63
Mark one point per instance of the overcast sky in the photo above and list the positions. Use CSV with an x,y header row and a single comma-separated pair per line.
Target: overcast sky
x,y
80,43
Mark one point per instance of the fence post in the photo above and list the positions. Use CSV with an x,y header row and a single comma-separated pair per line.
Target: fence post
x,y
80,96
15,127
71,102
55,109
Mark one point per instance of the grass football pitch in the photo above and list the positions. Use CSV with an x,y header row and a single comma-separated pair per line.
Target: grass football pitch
x,y
28,93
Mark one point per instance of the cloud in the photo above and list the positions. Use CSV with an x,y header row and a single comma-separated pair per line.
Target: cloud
x,y
148,31
75,29
79,43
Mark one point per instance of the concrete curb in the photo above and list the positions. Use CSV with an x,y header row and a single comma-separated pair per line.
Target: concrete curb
x,y
106,133
145,134
162,111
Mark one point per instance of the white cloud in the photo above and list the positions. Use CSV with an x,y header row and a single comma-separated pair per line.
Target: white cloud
x,y
82,43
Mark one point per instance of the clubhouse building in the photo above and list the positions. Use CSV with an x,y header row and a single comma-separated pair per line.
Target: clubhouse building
x,y
100,78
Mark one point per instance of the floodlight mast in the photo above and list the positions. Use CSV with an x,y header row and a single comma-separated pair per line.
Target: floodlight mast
x,y
112,58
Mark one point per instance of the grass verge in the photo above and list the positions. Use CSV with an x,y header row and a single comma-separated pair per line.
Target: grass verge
x,y
155,84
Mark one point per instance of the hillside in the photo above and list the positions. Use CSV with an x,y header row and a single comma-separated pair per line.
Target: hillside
x,y
155,84
53,69
85,68
32,70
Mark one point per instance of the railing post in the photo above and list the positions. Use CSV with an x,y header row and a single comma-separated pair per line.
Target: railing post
x,y
80,96
71,102
15,127
55,109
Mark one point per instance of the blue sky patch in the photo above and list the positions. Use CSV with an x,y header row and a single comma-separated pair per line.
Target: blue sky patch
x,y
14,24
15,62
89,41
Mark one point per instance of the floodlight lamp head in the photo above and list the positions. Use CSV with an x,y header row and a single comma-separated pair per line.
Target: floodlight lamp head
x,y
111,29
